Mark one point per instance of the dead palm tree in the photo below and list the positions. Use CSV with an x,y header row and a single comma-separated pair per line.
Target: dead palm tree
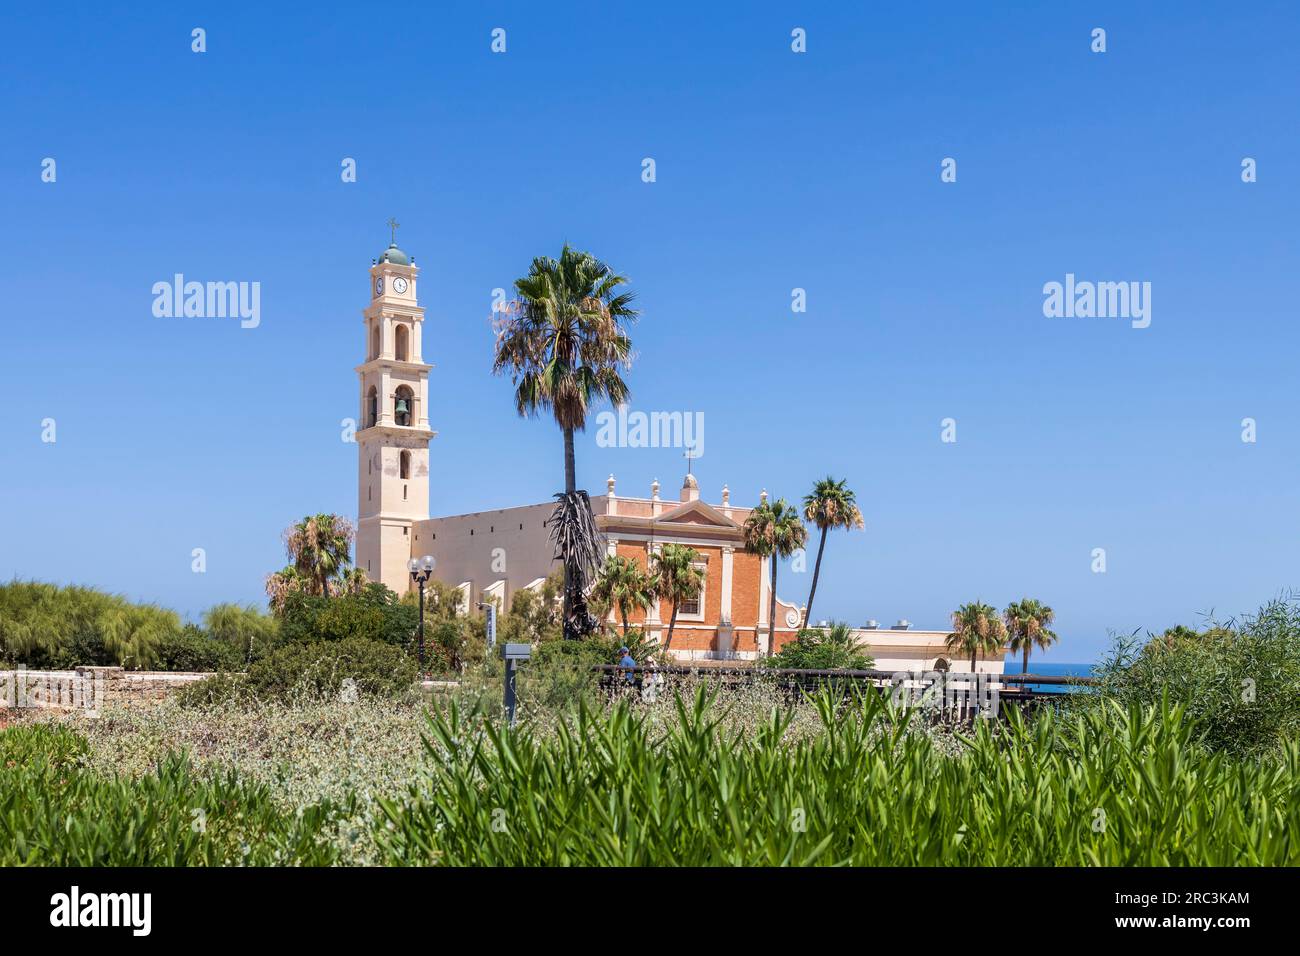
x,y
830,505
774,531
677,579
1029,625
622,585
564,343
976,629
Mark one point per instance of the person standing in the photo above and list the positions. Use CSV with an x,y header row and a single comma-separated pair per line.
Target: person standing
x,y
627,662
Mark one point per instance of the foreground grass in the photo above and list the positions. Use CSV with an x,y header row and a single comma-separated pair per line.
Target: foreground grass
x,y
700,782
1107,786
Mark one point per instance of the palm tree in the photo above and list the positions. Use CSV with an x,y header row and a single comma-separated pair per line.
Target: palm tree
x,y
1028,625
976,629
774,531
319,549
622,584
564,343
677,579
830,505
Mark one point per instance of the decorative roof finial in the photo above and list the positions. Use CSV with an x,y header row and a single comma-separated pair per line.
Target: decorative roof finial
x,y
392,226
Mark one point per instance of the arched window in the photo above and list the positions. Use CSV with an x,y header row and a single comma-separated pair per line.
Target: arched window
x,y
374,342
401,343
404,465
404,406
372,407
942,665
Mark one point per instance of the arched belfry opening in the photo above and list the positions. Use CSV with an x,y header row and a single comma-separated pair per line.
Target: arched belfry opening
x,y
404,405
372,407
402,344
374,342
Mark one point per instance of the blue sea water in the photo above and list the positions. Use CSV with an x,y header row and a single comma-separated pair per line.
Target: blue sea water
x,y
1048,669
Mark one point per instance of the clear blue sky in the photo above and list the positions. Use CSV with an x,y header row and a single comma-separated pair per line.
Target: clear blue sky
x,y
775,171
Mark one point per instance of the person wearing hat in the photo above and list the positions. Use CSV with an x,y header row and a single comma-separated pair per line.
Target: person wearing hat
x,y
650,681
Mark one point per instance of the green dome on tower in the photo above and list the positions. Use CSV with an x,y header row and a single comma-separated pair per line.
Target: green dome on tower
x,y
395,255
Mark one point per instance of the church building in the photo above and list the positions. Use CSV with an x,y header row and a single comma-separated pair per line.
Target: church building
x,y
490,555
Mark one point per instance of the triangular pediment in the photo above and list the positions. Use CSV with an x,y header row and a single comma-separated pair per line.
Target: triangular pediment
x,y
697,513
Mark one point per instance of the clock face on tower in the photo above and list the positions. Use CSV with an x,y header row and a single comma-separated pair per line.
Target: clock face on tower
x,y
399,285
379,285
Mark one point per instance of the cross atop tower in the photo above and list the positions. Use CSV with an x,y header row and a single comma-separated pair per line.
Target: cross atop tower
x,y
690,457
392,226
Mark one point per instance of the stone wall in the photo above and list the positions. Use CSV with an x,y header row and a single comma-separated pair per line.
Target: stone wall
x,y
90,688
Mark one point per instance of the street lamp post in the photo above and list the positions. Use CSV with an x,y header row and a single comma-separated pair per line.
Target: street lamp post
x,y
421,569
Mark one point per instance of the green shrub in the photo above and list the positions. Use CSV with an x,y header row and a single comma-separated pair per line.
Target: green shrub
x,y
246,630
222,688
819,649
608,789
54,745
308,672
44,626
374,614
55,813
190,649
534,615
1239,684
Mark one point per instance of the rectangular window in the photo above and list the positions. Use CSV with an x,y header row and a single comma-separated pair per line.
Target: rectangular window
x,y
694,608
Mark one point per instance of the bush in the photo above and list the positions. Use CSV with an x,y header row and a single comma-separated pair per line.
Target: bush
x,y
250,633
54,812
191,649
1238,683
44,626
307,672
534,616
611,788
374,614
818,649
54,745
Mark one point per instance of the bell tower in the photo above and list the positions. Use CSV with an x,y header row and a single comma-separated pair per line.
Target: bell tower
x,y
393,438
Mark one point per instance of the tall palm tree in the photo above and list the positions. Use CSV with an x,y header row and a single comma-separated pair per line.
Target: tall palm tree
x,y
677,579
976,629
622,584
564,342
1029,625
773,531
830,505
